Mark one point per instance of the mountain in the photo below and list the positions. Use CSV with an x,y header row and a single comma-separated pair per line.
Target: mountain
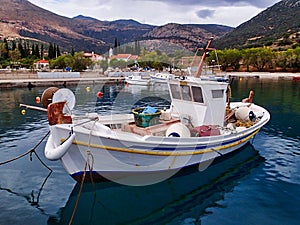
x,y
278,26
190,36
22,19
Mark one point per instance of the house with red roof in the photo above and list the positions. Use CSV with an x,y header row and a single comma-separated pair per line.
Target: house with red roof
x,y
93,56
42,65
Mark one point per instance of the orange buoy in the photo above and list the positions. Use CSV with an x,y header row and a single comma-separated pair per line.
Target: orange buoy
x,y
38,100
99,94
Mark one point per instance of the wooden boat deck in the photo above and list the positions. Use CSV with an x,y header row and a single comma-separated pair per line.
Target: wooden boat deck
x,y
155,130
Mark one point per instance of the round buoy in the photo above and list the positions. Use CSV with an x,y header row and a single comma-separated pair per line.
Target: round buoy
x,y
38,100
242,113
23,112
65,95
100,94
47,96
178,130
88,89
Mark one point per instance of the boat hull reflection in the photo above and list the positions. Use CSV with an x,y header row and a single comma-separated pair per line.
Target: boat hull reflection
x,y
111,203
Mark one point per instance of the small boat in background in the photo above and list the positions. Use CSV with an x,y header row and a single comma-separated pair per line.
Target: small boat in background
x,y
161,77
137,79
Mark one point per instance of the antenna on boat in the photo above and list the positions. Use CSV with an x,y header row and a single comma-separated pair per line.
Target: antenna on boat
x,y
205,51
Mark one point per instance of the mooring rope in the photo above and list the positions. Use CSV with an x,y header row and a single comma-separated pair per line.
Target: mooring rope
x,y
87,165
33,150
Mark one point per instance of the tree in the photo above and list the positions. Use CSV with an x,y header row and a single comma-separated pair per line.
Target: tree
x,y
14,55
4,50
227,57
59,63
42,51
50,51
37,51
22,50
259,58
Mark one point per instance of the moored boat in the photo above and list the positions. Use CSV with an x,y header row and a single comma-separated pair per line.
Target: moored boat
x,y
137,79
161,77
151,145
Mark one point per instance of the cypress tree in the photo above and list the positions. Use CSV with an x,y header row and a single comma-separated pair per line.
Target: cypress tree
x,y
42,51
13,45
32,50
37,51
72,52
58,51
22,51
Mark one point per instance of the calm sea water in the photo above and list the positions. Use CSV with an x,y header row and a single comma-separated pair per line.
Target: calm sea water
x,y
258,185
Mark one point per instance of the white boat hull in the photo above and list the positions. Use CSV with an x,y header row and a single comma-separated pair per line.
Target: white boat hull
x,y
131,159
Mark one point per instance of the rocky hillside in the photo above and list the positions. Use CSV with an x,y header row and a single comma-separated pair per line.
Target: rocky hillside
x,y
190,36
277,26
21,19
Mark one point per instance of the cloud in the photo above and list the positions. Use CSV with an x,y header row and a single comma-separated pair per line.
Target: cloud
x,y
220,3
205,13
160,12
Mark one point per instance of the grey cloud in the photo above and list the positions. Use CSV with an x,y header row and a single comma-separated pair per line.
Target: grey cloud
x,y
256,3
205,13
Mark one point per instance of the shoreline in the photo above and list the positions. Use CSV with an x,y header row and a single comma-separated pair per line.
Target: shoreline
x,y
265,75
31,80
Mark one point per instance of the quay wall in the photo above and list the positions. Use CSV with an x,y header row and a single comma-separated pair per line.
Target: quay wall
x,y
16,80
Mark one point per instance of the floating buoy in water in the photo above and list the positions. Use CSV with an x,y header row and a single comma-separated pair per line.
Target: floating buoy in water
x,y
23,112
100,94
88,89
38,100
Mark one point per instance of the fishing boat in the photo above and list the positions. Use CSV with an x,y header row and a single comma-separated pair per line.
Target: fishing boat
x,y
150,144
137,79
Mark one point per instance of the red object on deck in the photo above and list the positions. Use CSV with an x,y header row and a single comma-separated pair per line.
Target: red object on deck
x,y
205,130
296,78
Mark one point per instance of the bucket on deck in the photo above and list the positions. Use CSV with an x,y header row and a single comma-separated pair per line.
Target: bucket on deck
x,y
143,119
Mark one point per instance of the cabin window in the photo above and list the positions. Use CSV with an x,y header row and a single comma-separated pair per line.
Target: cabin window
x,y
217,93
197,94
186,93
175,91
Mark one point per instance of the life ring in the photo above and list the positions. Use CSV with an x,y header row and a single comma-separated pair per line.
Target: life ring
x,y
55,153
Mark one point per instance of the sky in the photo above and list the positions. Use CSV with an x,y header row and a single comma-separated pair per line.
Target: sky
x,y
160,12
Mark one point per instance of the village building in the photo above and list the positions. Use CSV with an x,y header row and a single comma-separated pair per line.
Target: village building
x,y
93,56
42,65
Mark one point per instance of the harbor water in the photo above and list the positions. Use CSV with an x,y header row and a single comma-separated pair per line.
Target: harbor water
x,y
259,184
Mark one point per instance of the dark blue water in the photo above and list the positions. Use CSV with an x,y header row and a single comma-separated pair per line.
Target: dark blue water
x,y
260,184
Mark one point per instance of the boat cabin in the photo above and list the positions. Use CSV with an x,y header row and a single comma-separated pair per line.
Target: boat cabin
x,y
199,102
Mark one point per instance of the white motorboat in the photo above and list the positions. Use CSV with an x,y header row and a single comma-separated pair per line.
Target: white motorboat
x,y
137,79
161,77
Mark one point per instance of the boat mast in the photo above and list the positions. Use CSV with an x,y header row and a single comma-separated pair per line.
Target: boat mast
x,y
205,51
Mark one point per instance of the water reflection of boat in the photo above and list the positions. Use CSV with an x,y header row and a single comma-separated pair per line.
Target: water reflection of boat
x,y
111,203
